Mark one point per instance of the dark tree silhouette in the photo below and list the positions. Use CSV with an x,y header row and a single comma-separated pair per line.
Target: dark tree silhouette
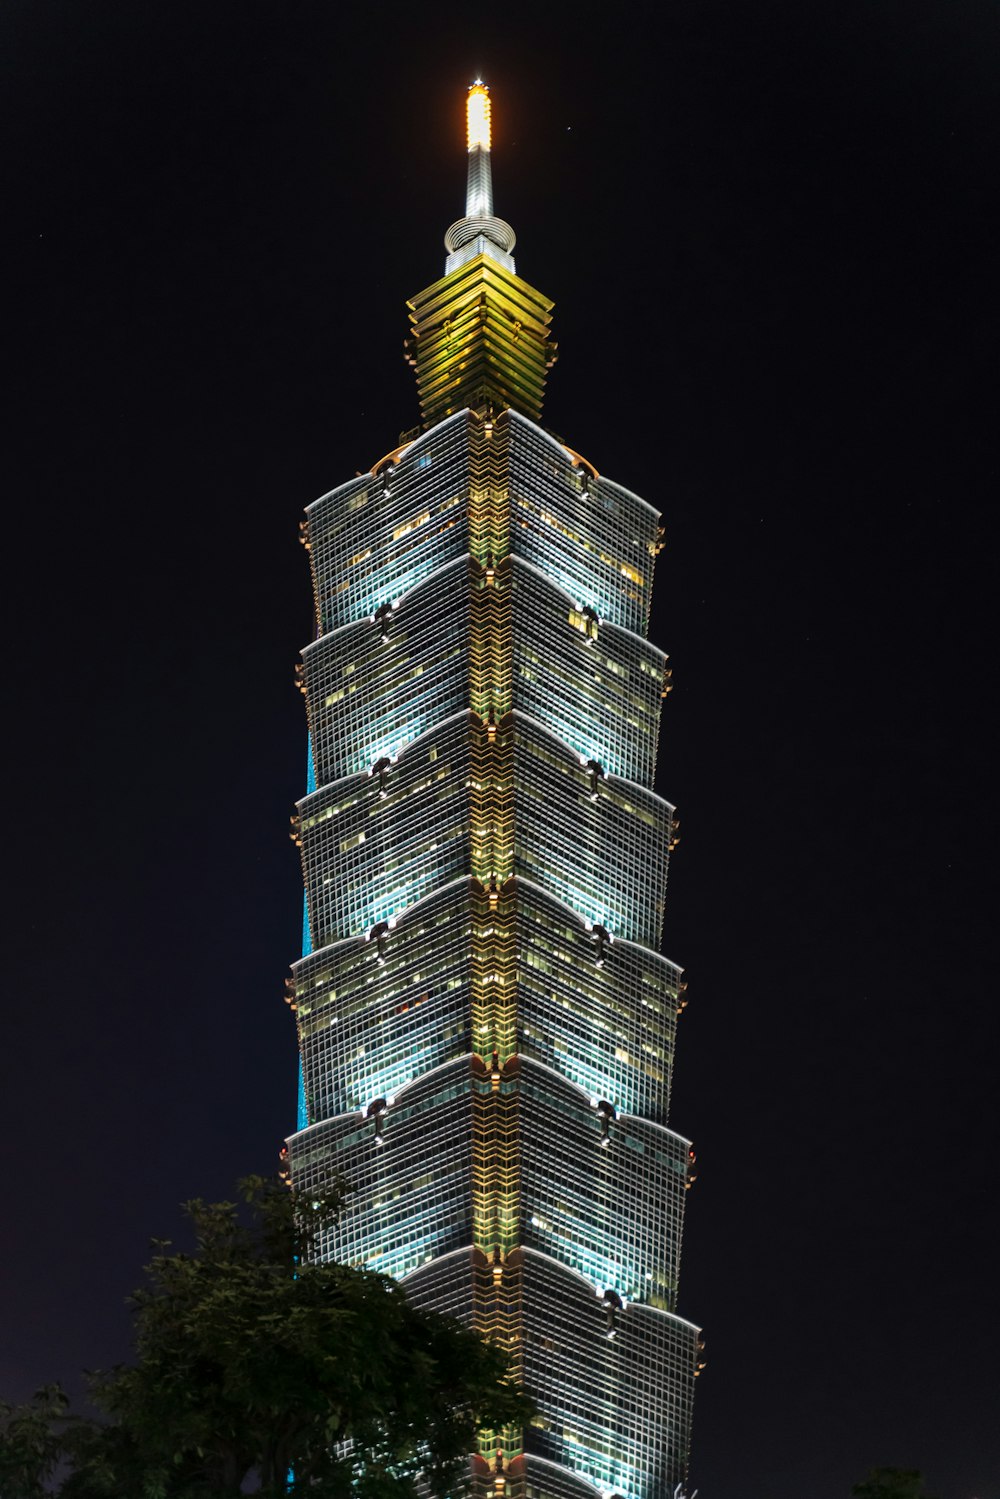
x,y
252,1362
891,1483
31,1444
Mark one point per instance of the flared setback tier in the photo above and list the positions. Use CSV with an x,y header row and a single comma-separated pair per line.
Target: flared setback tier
x,y
605,1199
491,800
474,971
376,683
489,489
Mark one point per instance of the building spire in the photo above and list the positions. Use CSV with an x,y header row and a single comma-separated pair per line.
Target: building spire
x,y
479,337
479,192
479,233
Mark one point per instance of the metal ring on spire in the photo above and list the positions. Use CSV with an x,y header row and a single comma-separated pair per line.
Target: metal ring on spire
x,y
463,231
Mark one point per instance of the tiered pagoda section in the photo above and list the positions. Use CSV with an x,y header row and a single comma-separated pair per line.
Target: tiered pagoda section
x,y
486,1022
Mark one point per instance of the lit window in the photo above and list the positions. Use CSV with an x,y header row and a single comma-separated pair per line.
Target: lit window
x,y
411,525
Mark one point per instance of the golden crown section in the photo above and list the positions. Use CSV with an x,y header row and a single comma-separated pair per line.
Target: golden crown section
x,y
480,338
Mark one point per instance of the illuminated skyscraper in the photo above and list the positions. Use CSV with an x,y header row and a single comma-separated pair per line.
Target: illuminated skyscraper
x,y
486,1023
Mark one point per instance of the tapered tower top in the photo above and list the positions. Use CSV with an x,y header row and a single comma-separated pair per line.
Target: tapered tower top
x,y
479,233
480,335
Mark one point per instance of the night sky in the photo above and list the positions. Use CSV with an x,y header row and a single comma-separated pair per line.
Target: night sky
x,y
766,228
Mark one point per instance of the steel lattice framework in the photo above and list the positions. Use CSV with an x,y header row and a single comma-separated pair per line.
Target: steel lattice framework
x,y
486,1024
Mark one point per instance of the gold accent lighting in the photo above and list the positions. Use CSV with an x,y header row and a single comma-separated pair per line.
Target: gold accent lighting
x,y
477,117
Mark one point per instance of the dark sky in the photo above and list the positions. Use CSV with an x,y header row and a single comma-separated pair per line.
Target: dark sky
x,y
765,225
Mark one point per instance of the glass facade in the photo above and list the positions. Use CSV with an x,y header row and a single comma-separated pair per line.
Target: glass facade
x,y
486,1024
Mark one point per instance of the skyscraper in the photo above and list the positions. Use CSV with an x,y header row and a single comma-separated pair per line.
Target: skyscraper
x,y
486,1023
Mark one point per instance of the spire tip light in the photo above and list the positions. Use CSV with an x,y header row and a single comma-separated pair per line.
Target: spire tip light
x,y
477,116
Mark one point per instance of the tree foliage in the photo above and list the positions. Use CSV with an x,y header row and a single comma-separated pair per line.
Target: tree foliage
x,y
30,1443
253,1360
891,1483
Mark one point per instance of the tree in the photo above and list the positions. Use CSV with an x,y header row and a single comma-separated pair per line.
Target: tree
x,y
30,1444
252,1359
891,1483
